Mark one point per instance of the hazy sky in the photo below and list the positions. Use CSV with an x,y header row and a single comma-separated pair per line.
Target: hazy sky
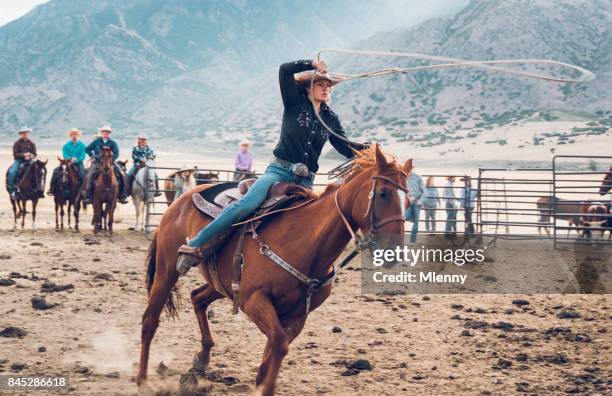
x,y
13,9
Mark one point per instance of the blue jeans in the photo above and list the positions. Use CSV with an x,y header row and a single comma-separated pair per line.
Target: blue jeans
x,y
451,219
254,197
412,214
430,219
12,174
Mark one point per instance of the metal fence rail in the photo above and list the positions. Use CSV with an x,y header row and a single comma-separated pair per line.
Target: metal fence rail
x,y
510,203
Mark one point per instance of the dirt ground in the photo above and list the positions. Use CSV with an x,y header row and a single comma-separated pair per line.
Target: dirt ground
x,y
438,344
434,344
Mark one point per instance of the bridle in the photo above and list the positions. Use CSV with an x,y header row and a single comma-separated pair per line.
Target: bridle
x,y
368,241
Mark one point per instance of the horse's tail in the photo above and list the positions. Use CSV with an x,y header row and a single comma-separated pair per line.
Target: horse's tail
x,y
171,308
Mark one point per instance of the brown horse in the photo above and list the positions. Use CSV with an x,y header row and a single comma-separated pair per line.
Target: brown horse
x,y
66,192
30,187
106,191
311,237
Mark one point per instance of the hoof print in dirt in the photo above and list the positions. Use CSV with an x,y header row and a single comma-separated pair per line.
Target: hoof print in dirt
x,y
82,370
17,367
50,287
104,277
568,314
7,282
40,304
502,364
13,332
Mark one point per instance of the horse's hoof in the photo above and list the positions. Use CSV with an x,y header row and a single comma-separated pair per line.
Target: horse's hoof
x,y
198,366
258,390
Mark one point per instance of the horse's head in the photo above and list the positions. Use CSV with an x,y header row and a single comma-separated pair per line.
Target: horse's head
x,y
607,183
106,158
376,185
122,164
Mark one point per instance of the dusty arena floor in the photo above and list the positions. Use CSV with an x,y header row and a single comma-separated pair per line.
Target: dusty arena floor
x,y
426,344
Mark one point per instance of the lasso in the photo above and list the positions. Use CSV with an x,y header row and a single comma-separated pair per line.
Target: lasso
x,y
491,65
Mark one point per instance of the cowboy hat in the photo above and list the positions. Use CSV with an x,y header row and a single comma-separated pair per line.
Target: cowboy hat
x,y
143,137
305,77
244,143
25,129
106,128
74,130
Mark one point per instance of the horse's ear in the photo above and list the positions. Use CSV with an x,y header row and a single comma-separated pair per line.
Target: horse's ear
x,y
381,160
408,165
47,160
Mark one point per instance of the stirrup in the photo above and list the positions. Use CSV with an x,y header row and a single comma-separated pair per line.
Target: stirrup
x,y
190,257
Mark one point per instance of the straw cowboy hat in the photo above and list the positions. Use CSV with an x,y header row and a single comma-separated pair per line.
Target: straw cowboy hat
x,y
143,137
304,78
244,143
106,128
74,131
24,129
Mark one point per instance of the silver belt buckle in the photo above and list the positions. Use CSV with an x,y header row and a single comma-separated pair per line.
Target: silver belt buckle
x,y
300,169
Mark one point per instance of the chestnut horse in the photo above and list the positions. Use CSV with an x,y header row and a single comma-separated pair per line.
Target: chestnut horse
x,y
66,190
311,237
30,187
106,191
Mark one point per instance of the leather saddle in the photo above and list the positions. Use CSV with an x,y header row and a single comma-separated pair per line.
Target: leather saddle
x,y
215,198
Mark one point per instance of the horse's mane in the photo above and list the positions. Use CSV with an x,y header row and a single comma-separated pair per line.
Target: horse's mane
x,y
364,159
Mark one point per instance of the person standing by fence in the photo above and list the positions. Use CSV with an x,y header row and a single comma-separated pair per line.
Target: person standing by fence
x,y
415,192
451,207
431,199
468,202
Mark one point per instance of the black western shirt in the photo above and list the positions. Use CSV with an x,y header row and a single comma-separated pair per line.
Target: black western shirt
x,y
302,135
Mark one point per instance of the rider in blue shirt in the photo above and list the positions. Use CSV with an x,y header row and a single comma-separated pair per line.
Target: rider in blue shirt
x,y
73,150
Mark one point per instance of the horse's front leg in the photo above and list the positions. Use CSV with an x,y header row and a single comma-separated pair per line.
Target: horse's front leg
x,y
97,209
259,308
136,202
34,204
293,327
23,213
62,216
56,215
111,214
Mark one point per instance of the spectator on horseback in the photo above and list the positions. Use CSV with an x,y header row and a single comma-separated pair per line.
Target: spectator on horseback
x,y
296,155
93,150
73,150
24,150
142,152
243,161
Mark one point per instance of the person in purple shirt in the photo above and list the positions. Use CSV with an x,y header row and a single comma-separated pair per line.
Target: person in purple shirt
x,y
243,162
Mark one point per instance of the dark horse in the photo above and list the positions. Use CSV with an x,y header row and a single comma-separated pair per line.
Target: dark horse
x,y
30,187
311,236
66,192
106,191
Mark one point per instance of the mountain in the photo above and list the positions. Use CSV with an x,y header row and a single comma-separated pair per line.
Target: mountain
x,y
448,103
208,68
167,66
